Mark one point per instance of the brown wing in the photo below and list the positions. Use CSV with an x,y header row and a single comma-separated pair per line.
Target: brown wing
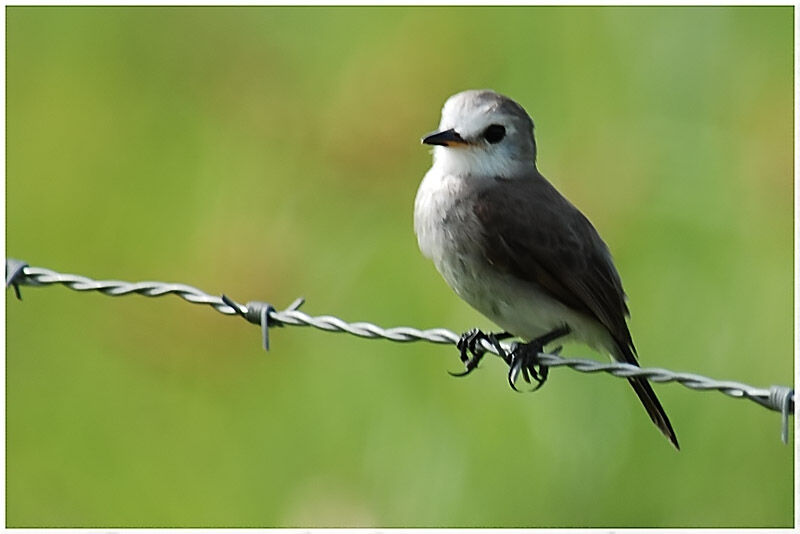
x,y
533,233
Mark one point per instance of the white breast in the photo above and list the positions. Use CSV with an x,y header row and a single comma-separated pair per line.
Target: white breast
x,y
447,229
436,197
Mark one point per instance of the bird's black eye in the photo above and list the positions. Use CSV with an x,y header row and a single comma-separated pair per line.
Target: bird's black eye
x,y
494,133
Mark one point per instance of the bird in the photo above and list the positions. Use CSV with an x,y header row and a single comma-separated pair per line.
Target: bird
x,y
514,248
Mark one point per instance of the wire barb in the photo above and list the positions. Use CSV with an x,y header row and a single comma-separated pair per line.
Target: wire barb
x,y
776,398
781,398
261,313
14,271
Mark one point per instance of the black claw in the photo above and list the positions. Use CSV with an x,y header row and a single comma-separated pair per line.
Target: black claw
x,y
467,343
470,342
524,358
544,370
525,376
513,373
467,371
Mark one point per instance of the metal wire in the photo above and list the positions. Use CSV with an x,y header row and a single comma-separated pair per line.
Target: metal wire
x,y
778,398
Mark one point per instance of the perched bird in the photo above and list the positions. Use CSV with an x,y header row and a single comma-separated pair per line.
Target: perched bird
x,y
514,248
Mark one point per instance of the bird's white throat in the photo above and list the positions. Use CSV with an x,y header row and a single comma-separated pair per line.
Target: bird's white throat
x,y
476,162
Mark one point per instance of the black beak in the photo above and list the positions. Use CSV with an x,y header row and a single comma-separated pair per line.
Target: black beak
x,y
444,138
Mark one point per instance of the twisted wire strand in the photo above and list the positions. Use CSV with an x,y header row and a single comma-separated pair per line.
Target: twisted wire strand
x,y
38,276
402,334
778,398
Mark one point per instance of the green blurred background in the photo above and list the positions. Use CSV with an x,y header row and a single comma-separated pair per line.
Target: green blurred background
x,y
269,153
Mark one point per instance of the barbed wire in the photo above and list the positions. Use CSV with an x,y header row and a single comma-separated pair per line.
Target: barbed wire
x,y
776,397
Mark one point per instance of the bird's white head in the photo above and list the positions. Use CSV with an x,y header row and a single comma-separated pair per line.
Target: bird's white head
x,y
483,134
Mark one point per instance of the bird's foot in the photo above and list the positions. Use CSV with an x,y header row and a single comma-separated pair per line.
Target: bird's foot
x,y
524,359
470,342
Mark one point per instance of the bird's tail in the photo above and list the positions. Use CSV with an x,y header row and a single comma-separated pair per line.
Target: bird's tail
x,y
648,397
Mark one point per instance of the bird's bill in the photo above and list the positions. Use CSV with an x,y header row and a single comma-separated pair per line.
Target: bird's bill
x,y
444,138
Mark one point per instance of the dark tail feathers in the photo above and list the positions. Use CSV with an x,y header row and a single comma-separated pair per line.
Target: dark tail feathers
x,y
648,397
654,408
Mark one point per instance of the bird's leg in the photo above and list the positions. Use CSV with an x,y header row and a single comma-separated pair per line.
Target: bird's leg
x,y
524,358
470,342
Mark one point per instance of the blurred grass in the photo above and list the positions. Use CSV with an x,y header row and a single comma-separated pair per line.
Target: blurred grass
x,y
273,152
